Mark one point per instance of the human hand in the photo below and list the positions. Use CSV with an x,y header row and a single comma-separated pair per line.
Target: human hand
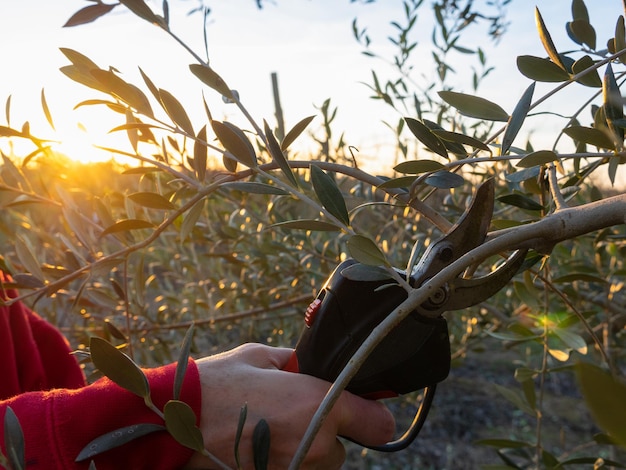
x,y
251,374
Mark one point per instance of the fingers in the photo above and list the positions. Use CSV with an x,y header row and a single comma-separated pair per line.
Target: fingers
x,y
365,421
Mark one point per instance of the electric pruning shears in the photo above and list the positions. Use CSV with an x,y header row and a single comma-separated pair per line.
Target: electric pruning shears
x,y
416,354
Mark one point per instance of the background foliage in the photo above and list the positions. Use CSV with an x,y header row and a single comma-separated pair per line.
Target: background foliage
x,y
221,226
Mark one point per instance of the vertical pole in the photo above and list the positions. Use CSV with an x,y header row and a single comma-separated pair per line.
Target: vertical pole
x,y
280,133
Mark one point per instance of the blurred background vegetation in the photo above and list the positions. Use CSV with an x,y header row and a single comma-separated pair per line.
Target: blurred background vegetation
x,y
136,253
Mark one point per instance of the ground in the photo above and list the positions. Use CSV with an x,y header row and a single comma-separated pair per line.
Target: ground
x,y
467,407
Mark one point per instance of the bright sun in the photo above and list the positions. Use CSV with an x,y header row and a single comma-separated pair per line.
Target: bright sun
x,y
76,143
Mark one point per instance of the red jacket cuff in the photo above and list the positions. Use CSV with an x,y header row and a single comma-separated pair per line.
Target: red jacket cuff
x,y
58,424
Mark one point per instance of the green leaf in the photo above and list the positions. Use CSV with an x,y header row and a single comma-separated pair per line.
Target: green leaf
x,y
209,77
180,421
118,367
277,154
190,219
27,281
88,14
590,135
571,339
139,8
541,69
14,440
523,374
255,188
612,102
80,70
261,439
329,194
462,139
538,158
517,119
591,79
546,40
200,152
521,201
235,141
504,443
126,92
414,167
181,364
445,180
176,111
620,38
604,396
308,224
294,132
151,200
582,32
402,182
474,106
515,397
117,438
46,109
426,137
365,251
28,258
365,273
243,415
579,10
126,225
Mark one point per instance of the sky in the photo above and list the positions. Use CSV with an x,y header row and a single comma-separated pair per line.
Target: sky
x,y
308,43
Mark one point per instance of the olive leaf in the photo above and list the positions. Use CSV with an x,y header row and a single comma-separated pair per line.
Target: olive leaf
x,y
118,367
235,141
521,201
474,106
365,251
427,137
128,93
255,188
329,194
151,200
277,155
308,224
117,438
604,397
295,131
175,111
200,152
517,119
88,14
210,77
541,69
14,440
444,179
191,218
261,445
181,364
414,167
540,157
180,421
546,40
126,225
243,415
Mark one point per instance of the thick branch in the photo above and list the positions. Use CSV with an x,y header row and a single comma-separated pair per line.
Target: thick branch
x,y
541,235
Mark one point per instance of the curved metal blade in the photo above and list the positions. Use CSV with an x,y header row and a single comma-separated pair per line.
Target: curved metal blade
x,y
468,292
468,233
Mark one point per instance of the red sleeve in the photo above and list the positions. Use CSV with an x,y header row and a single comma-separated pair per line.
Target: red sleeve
x,y
59,415
59,423
33,354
